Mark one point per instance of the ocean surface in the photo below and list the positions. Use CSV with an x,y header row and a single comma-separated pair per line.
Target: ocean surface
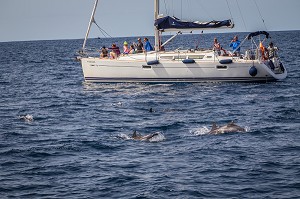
x,y
78,146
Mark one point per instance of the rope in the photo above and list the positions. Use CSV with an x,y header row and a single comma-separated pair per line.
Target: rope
x,y
260,14
101,30
241,14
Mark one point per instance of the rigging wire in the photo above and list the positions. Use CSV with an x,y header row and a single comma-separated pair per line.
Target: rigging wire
x,y
260,14
173,8
104,33
167,12
181,9
241,14
229,10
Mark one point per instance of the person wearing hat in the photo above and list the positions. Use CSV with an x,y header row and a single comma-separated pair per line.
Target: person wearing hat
x,y
125,48
104,52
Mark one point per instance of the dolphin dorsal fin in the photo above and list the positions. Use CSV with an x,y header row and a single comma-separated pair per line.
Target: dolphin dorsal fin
x,y
214,126
134,134
231,123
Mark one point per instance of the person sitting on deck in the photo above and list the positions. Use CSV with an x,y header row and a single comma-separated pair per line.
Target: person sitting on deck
x,y
148,46
139,46
235,44
131,49
125,48
217,46
115,51
104,52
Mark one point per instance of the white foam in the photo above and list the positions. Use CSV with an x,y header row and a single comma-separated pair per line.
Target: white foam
x,y
200,131
27,118
124,136
157,138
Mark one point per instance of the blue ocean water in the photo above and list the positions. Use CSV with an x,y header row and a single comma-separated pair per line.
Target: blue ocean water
x,y
73,148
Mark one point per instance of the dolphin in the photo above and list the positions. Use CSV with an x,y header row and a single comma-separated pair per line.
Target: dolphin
x,y
138,136
231,127
28,118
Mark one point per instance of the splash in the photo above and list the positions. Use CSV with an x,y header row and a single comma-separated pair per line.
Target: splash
x,y
200,131
27,118
124,136
157,138
247,129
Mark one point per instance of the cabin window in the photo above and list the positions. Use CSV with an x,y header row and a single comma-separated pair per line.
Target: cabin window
x,y
166,57
147,67
196,56
223,67
179,57
208,57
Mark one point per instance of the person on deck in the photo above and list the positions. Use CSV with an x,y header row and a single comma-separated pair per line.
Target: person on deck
x,y
139,46
217,46
125,48
131,49
235,44
115,51
104,52
148,46
161,47
272,50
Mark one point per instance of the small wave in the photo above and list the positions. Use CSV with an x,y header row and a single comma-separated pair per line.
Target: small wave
x,y
117,104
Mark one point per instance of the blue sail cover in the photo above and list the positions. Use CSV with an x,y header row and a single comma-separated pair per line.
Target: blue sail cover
x,y
174,23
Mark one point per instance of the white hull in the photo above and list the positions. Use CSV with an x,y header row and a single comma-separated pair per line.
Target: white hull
x,y
134,68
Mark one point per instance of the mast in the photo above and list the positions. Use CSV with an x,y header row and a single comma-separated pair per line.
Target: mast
x,y
156,31
90,24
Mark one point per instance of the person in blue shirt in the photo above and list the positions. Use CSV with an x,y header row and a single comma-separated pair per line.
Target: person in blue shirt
x,y
148,46
235,45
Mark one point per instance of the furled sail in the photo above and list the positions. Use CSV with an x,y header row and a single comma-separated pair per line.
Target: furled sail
x,y
172,23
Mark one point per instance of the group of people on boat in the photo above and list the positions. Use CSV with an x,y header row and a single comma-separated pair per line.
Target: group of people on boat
x,y
115,52
235,45
266,53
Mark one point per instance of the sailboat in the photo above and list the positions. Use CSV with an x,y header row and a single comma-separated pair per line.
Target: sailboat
x,y
190,65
